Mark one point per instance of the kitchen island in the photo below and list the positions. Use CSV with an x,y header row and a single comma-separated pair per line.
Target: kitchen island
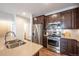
x,y
28,49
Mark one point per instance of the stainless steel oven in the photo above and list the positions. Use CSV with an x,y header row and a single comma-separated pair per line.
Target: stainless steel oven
x,y
53,42
54,36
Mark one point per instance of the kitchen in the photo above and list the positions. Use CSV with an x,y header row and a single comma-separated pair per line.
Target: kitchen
x,y
63,39
27,30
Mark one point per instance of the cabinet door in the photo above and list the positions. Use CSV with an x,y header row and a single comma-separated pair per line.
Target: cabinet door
x,y
76,18
63,46
38,20
77,48
74,47
53,18
45,41
68,46
67,19
70,19
72,44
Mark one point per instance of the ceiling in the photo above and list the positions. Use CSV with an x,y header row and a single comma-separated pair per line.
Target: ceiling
x,y
35,8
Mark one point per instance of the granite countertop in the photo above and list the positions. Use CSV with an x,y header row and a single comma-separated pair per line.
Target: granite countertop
x,y
28,49
70,38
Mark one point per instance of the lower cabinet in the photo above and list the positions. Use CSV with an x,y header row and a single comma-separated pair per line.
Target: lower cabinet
x,y
77,48
72,47
63,46
45,41
68,47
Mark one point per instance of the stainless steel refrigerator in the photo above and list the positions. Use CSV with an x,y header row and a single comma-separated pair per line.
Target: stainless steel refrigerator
x,y
37,33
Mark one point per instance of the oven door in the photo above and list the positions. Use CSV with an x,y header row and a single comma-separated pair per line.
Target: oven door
x,y
53,43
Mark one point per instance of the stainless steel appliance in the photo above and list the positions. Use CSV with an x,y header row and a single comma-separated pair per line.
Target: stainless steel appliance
x,y
37,33
54,36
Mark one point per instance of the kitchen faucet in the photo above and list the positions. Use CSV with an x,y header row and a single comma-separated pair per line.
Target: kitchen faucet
x,y
7,35
13,43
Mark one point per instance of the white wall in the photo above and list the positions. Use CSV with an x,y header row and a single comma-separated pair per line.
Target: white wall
x,y
19,27
24,24
6,16
5,22
19,24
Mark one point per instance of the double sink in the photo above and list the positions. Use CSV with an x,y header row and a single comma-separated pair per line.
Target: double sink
x,y
13,43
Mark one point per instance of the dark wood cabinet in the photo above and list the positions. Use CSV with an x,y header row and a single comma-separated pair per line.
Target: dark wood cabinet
x,y
63,46
53,18
38,19
72,47
69,18
77,48
68,46
66,18
75,18
45,41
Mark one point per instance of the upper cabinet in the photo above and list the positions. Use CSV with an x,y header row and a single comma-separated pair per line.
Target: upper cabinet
x,y
66,18
38,20
75,18
70,19
53,18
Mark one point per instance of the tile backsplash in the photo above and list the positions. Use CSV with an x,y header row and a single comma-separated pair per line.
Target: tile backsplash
x,y
70,33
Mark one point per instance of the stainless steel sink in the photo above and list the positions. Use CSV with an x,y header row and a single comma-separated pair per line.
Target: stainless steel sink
x,y
14,43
